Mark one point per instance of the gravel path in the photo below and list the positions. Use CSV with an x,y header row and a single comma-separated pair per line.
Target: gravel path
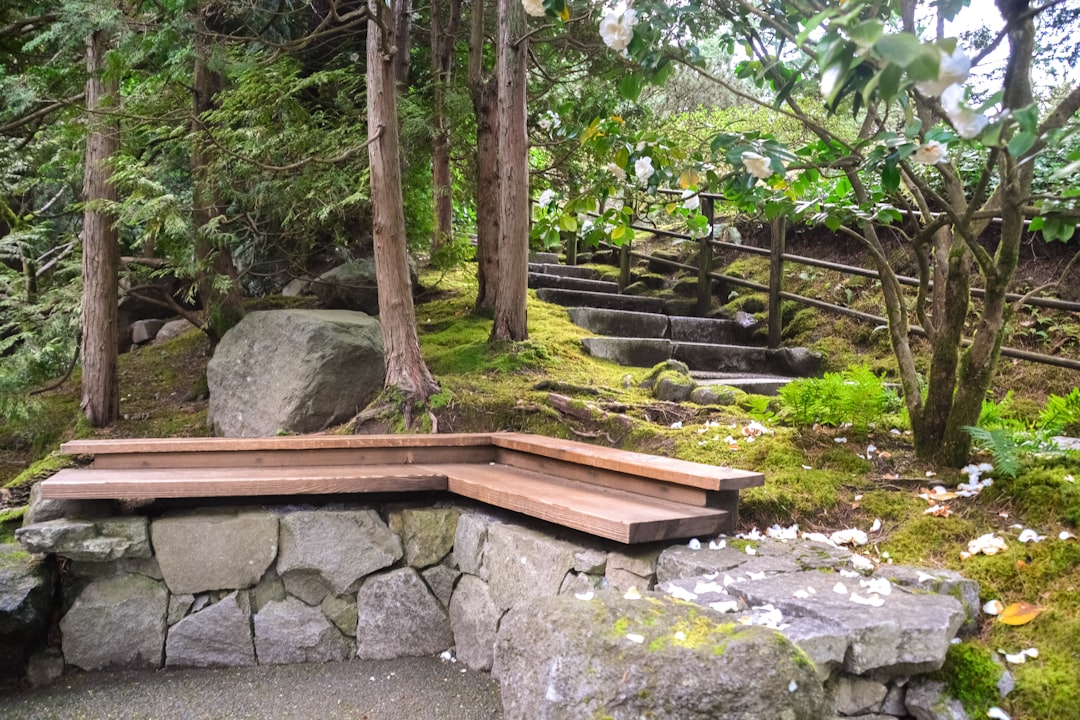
x,y
356,690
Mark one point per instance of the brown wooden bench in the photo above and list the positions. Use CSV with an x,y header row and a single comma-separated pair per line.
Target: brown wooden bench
x,y
624,496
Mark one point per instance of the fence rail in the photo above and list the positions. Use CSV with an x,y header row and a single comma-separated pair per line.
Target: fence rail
x,y
778,257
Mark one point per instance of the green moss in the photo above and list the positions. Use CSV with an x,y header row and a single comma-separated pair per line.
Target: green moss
x,y
10,520
40,470
971,676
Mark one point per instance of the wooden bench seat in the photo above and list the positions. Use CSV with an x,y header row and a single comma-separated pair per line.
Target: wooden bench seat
x,y
620,495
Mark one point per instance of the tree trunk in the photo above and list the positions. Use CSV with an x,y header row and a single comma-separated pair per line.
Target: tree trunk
x,y
483,92
222,301
511,55
405,368
443,31
101,255
402,10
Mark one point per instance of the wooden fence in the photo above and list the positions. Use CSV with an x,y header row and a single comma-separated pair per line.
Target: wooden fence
x,y
778,256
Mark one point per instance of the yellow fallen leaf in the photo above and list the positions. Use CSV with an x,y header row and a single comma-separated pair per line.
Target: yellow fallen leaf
x,y
1019,613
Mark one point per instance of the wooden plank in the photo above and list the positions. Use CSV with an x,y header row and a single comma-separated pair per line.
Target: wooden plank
x,y
283,442
619,516
92,483
297,458
604,478
679,472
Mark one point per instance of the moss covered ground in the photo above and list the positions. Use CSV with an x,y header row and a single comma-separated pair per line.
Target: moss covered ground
x,y
812,479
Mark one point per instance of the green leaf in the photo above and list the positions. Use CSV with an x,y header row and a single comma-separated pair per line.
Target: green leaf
x,y
568,223
890,177
630,86
926,65
1027,117
813,24
901,49
889,86
867,33
1035,224
833,223
1021,142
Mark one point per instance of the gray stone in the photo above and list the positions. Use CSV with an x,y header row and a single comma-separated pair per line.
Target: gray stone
x,y
702,591
856,695
125,566
171,330
1006,683
296,287
306,585
474,620
673,388
214,550
116,622
714,395
441,579
352,286
470,543
625,570
822,641
590,561
42,510
341,546
217,636
655,657
342,612
45,667
94,540
795,361
576,582
143,331
523,564
179,606
910,633
270,589
619,323
680,561
635,352
26,591
928,700
291,632
942,582
428,534
293,370
397,616
894,703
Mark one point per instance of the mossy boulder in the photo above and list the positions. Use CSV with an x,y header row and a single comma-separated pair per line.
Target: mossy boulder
x,y
26,590
668,366
613,657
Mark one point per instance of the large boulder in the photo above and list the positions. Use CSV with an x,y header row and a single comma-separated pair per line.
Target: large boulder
x,y
352,286
397,616
564,658
26,590
294,371
92,540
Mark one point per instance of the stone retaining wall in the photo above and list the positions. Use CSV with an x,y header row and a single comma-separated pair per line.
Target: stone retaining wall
x,y
255,585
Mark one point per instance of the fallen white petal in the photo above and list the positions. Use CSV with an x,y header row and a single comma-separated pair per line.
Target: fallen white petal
x,y
725,606
1031,652
851,536
792,686
695,544
632,594
877,586
756,575
839,588
1015,658
801,594
993,607
807,467
681,593
1066,535
680,635
717,544
872,601
704,588
996,713
750,550
840,440
1029,535
587,595
861,562
635,638
849,573
876,526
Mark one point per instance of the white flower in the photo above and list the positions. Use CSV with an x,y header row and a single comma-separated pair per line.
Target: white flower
x,y
951,70
545,198
534,7
757,165
644,169
851,536
828,80
967,122
930,153
616,171
617,29
691,200
988,544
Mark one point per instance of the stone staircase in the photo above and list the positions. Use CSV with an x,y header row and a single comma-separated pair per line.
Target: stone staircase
x,y
638,331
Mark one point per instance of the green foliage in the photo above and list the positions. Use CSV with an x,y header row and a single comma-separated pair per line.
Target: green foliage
x,y
1013,441
855,397
1061,414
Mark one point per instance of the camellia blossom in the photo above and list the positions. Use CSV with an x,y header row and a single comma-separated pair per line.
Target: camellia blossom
x,y
757,165
644,169
967,122
931,152
616,171
617,29
829,79
534,7
691,200
545,198
952,69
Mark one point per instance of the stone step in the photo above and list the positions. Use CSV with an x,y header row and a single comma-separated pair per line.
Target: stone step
x,y
562,282
544,257
564,270
755,385
620,323
706,330
581,298
717,358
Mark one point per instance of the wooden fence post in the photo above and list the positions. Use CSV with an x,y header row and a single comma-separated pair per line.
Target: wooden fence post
x,y
776,280
624,265
704,282
570,242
